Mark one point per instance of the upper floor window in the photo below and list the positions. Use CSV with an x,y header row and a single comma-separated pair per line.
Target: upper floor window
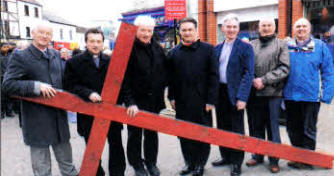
x,y
61,34
26,10
36,12
71,37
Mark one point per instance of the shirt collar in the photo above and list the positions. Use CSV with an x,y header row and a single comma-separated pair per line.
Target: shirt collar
x,y
194,45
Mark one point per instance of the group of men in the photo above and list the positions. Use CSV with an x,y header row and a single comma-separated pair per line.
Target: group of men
x,y
233,76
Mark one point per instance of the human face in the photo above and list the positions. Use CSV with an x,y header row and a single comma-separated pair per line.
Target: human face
x,y
144,33
231,29
94,43
188,32
302,30
41,35
267,28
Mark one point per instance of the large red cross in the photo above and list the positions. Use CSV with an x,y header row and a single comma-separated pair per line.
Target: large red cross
x,y
109,111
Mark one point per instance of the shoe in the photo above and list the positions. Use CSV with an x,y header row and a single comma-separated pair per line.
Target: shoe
x,y
153,170
274,168
198,171
221,162
140,171
253,162
235,170
295,165
186,170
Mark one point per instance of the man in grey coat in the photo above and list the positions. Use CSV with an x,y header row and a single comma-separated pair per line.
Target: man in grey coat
x,y
32,72
271,70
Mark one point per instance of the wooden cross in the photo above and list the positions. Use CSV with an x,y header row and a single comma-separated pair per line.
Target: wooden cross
x,y
108,111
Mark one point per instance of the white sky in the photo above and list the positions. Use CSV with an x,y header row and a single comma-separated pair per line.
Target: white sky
x,y
82,12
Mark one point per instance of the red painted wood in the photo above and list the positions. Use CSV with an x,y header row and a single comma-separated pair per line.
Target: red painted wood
x,y
111,88
188,130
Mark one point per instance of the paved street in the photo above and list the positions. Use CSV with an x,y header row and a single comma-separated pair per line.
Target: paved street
x,y
15,158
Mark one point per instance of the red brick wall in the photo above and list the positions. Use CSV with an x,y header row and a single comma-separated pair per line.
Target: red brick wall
x,y
202,19
211,26
297,11
282,18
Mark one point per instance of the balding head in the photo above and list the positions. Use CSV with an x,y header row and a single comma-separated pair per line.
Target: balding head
x,y
267,27
42,34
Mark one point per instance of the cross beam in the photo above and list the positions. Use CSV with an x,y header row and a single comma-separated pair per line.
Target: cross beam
x,y
108,111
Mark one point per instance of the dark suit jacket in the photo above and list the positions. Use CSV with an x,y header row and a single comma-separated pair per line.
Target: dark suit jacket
x,y
194,80
82,77
240,70
41,125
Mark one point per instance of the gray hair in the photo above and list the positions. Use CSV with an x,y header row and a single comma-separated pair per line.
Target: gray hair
x,y
144,20
41,23
230,17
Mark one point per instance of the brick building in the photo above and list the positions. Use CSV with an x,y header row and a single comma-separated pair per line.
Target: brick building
x,y
286,12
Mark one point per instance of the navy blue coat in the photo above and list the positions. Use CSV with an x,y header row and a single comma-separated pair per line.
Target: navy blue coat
x,y
240,70
41,125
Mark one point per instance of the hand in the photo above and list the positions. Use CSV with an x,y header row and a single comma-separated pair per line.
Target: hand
x,y
209,107
172,103
132,110
95,97
241,105
258,84
47,90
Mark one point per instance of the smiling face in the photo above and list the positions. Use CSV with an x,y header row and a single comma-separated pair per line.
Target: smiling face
x,y
267,27
188,32
94,43
42,35
231,29
144,33
302,30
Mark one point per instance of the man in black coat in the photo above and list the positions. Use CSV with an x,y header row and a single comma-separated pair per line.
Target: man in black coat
x,y
193,90
143,88
36,71
84,75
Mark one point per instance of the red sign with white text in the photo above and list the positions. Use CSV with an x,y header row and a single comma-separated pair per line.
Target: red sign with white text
x,y
175,9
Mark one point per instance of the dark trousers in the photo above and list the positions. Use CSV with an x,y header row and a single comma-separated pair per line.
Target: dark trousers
x,y
302,123
116,154
6,105
263,114
195,153
134,146
229,119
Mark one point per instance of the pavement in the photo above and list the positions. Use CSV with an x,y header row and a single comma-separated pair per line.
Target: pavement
x,y
15,155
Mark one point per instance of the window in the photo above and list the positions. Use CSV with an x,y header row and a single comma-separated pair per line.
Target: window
x,y
36,12
7,29
4,6
28,32
71,37
26,10
61,34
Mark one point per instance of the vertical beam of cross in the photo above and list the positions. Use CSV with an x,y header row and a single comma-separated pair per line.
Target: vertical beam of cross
x,y
111,88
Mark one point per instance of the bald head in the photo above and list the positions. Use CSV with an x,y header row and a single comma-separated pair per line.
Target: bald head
x,y
267,27
302,29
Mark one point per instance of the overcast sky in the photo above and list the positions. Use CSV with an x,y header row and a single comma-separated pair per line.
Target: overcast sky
x,y
81,12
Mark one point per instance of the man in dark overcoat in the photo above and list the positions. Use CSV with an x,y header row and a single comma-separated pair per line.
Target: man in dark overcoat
x,y
36,71
84,75
193,90
143,88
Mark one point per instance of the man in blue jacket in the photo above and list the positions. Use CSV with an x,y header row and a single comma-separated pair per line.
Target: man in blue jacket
x,y
236,72
310,60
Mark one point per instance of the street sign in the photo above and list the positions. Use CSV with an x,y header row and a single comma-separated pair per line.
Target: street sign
x,y
175,9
